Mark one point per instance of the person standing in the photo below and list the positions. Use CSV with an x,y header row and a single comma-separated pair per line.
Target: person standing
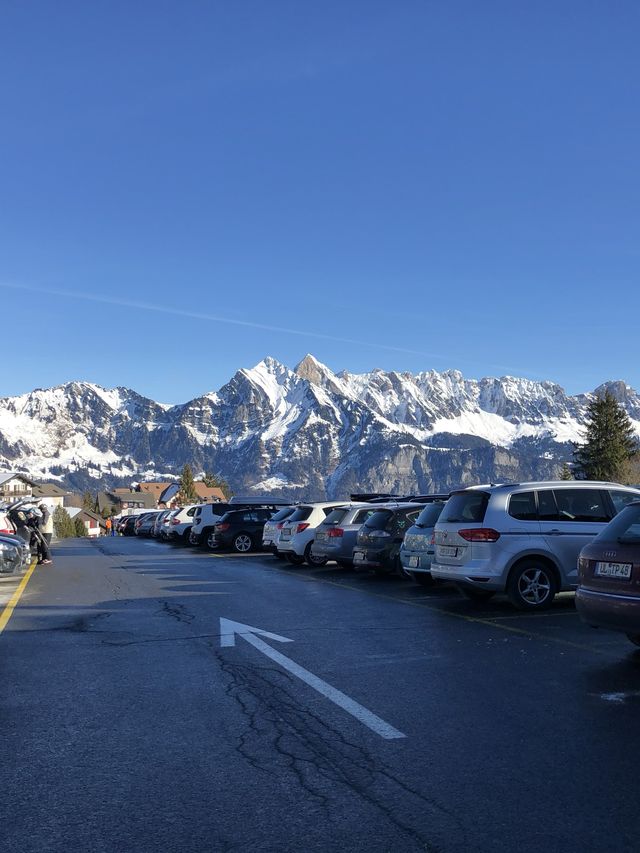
x,y
109,526
44,523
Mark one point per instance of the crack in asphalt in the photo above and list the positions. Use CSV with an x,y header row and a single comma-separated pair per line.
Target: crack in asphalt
x,y
176,611
315,754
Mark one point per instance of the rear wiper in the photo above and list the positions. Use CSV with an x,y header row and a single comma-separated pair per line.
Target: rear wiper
x,y
452,520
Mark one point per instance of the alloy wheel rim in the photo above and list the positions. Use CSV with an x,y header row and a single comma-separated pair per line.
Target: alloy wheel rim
x,y
243,543
534,586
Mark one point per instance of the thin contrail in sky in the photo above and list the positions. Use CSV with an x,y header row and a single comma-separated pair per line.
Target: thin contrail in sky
x,y
215,318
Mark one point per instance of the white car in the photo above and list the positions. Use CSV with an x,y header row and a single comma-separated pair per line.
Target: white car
x,y
296,535
180,524
272,527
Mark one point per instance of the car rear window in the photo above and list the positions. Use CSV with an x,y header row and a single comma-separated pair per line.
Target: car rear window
x,y
625,527
379,520
335,516
430,514
465,508
621,499
362,516
283,513
302,513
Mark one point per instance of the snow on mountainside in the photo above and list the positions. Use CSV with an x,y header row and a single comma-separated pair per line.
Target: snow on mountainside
x,y
305,432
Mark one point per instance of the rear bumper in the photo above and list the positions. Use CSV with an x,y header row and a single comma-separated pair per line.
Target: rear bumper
x,y
470,574
370,559
608,610
421,559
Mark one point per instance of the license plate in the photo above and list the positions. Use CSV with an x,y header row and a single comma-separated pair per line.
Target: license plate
x,y
267,542
285,534
358,556
414,562
320,536
447,551
614,570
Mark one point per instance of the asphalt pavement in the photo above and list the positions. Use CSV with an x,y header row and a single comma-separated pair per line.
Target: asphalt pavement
x,y
369,715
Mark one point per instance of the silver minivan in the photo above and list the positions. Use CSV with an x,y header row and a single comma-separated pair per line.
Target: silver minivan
x,y
523,539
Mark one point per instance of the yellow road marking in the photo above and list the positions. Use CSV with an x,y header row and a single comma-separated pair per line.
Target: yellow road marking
x,y
15,598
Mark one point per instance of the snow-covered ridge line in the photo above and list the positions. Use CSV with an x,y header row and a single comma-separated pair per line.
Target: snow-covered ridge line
x,y
305,428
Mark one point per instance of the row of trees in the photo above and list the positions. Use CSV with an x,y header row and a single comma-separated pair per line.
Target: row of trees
x,y
610,450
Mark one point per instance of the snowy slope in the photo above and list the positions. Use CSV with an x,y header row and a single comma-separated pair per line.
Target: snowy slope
x,y
305,431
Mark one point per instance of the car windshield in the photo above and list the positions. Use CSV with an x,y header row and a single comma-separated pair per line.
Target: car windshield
x,y
430,514
335,516
625,527
465,507
283,513
302,513
379,520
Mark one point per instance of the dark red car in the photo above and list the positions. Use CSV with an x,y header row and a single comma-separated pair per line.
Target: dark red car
x,y
608,594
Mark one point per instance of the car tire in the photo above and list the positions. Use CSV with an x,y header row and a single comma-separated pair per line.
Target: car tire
x,y
279,556
477,595
532,585
186,537
423,579
242,543
634,638
212,545
310,560
295,559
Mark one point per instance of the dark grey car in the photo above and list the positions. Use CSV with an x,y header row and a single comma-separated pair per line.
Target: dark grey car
x,y
336,537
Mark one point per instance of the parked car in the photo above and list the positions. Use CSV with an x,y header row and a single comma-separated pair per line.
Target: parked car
x,y
380,537
127,525
241,529
6,525
336,535
21,544
179,528
165,525
145,522
207,516
608,594
270,530
418,548
11,555
295,538
156,527
523,539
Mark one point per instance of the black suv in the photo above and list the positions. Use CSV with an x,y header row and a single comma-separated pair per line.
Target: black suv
x,y
380,537
241,529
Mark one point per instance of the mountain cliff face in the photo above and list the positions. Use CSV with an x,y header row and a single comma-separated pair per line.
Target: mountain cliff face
x,y
306,432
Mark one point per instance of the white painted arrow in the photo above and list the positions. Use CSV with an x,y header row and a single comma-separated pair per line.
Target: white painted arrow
x,y
228,631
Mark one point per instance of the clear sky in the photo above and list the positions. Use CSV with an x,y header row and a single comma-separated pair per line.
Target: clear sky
x,y
404,185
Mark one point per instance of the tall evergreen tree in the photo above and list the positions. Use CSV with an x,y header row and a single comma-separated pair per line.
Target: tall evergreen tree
x,y
88,501
63,525
213,481
187,493
565,472
610,441
78,524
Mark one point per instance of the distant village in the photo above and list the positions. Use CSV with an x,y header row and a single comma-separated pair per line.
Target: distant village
x,y
92,509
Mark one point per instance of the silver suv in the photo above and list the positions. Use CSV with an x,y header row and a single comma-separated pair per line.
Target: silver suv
x,y
522,539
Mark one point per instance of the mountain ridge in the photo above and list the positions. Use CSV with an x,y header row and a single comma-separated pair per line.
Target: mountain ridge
x,y
305,432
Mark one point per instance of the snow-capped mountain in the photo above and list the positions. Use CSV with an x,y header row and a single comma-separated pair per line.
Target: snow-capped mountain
x,y
305,432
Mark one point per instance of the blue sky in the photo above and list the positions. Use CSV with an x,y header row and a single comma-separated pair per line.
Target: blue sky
x,y
405,185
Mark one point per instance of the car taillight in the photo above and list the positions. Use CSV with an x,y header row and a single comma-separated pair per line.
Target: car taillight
x,y
432,541
335,532
479,534
175,521
302,526
138,523
224,526
6,531
280,525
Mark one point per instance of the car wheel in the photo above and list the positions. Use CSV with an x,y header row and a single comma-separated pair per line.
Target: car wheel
x,y
212,544
532,585
242,543
314,561
279,556
186,536
424,579
474,594
635,639
295,559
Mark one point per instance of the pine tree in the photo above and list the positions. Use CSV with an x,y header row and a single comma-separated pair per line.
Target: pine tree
x,y
63,526
610,441
213,481
187,494
88,501
80,529
565,472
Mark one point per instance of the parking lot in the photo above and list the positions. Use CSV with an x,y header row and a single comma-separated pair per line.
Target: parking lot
x,y
328,710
